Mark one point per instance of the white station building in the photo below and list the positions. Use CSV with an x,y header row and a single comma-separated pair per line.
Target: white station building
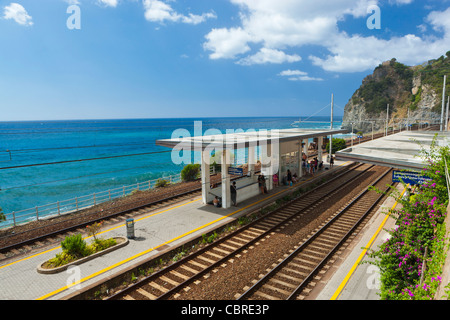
x,y
278,150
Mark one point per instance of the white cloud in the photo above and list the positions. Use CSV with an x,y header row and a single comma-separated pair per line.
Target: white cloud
x,y
227,43
297,75
356,53
18,13
109,3
305,78
266,55
276,26
440,21
400,2
160,11
290,72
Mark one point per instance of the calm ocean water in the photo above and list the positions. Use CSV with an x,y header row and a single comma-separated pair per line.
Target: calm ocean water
x,y
38,142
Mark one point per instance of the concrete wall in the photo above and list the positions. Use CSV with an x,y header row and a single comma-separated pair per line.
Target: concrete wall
x,y
247,192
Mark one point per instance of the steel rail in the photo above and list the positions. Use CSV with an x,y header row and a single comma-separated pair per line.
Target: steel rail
x,y
262,280
209,247
84,224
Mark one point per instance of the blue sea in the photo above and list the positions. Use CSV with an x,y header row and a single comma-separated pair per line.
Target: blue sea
x,y
25,146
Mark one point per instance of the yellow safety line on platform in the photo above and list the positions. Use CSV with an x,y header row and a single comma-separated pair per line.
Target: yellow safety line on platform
x,y
167,242
154,248
119,226
363,253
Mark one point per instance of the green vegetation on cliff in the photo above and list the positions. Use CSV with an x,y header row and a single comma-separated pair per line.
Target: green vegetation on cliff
x,y
392,83
433,75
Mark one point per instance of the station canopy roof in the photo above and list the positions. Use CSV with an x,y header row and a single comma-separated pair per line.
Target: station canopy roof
x,y
246,138
400,150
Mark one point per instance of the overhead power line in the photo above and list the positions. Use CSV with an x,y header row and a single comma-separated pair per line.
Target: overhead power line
x,y
82,160
75,178
78,147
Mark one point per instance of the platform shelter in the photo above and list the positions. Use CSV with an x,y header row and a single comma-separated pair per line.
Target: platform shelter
x,y
400,150
273,151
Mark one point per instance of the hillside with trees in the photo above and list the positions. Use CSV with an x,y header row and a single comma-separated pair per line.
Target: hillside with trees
x,y
414,91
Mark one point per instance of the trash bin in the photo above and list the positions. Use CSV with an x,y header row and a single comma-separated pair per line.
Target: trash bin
x,y
130,228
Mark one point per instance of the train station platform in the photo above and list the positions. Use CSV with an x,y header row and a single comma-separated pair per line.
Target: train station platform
x,y
350,277
155,232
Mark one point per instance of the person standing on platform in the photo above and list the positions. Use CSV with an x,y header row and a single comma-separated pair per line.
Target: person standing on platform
x,y
289,177
262,183
233,193
275,180
331,162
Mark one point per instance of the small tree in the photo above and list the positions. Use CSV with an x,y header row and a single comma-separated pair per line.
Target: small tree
x,y
190,172
93,229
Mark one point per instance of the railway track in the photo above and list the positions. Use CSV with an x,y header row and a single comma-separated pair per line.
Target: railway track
x,y
290,277
167,283
59,233
56,234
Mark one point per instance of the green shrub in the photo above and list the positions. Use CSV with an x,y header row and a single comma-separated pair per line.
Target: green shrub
x,y
2,215
161,183
61,259
75,245
102,244
338,144
190,172
134,192
211,238
243,220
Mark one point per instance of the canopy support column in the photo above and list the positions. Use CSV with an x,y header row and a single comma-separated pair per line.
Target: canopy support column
x,y
225,163
251,161
206,178
300,159
319,149
305,148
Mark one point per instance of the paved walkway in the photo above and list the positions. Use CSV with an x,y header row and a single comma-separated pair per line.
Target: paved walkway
x,y
168,227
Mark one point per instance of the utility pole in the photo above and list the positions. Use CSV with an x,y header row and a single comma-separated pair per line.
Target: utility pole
x,y
443,103
331,128
446,116
407,121
352,135
387,119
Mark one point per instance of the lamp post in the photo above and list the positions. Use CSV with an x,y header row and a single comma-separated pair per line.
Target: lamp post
x,y
443,104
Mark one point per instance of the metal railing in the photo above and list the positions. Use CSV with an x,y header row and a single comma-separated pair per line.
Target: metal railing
x,y
79,203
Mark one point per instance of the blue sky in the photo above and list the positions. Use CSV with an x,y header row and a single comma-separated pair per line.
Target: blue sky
x,y
203,58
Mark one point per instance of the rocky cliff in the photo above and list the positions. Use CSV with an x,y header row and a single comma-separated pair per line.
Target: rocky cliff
x,y
413,90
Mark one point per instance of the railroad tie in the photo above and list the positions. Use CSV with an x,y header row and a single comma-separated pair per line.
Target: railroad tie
x,y
158,287
179,275
168,280
146,294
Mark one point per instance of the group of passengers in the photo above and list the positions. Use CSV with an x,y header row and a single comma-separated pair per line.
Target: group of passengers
x,y
309,167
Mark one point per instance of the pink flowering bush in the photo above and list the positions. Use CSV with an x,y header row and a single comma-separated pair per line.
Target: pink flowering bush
x,y
420,228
